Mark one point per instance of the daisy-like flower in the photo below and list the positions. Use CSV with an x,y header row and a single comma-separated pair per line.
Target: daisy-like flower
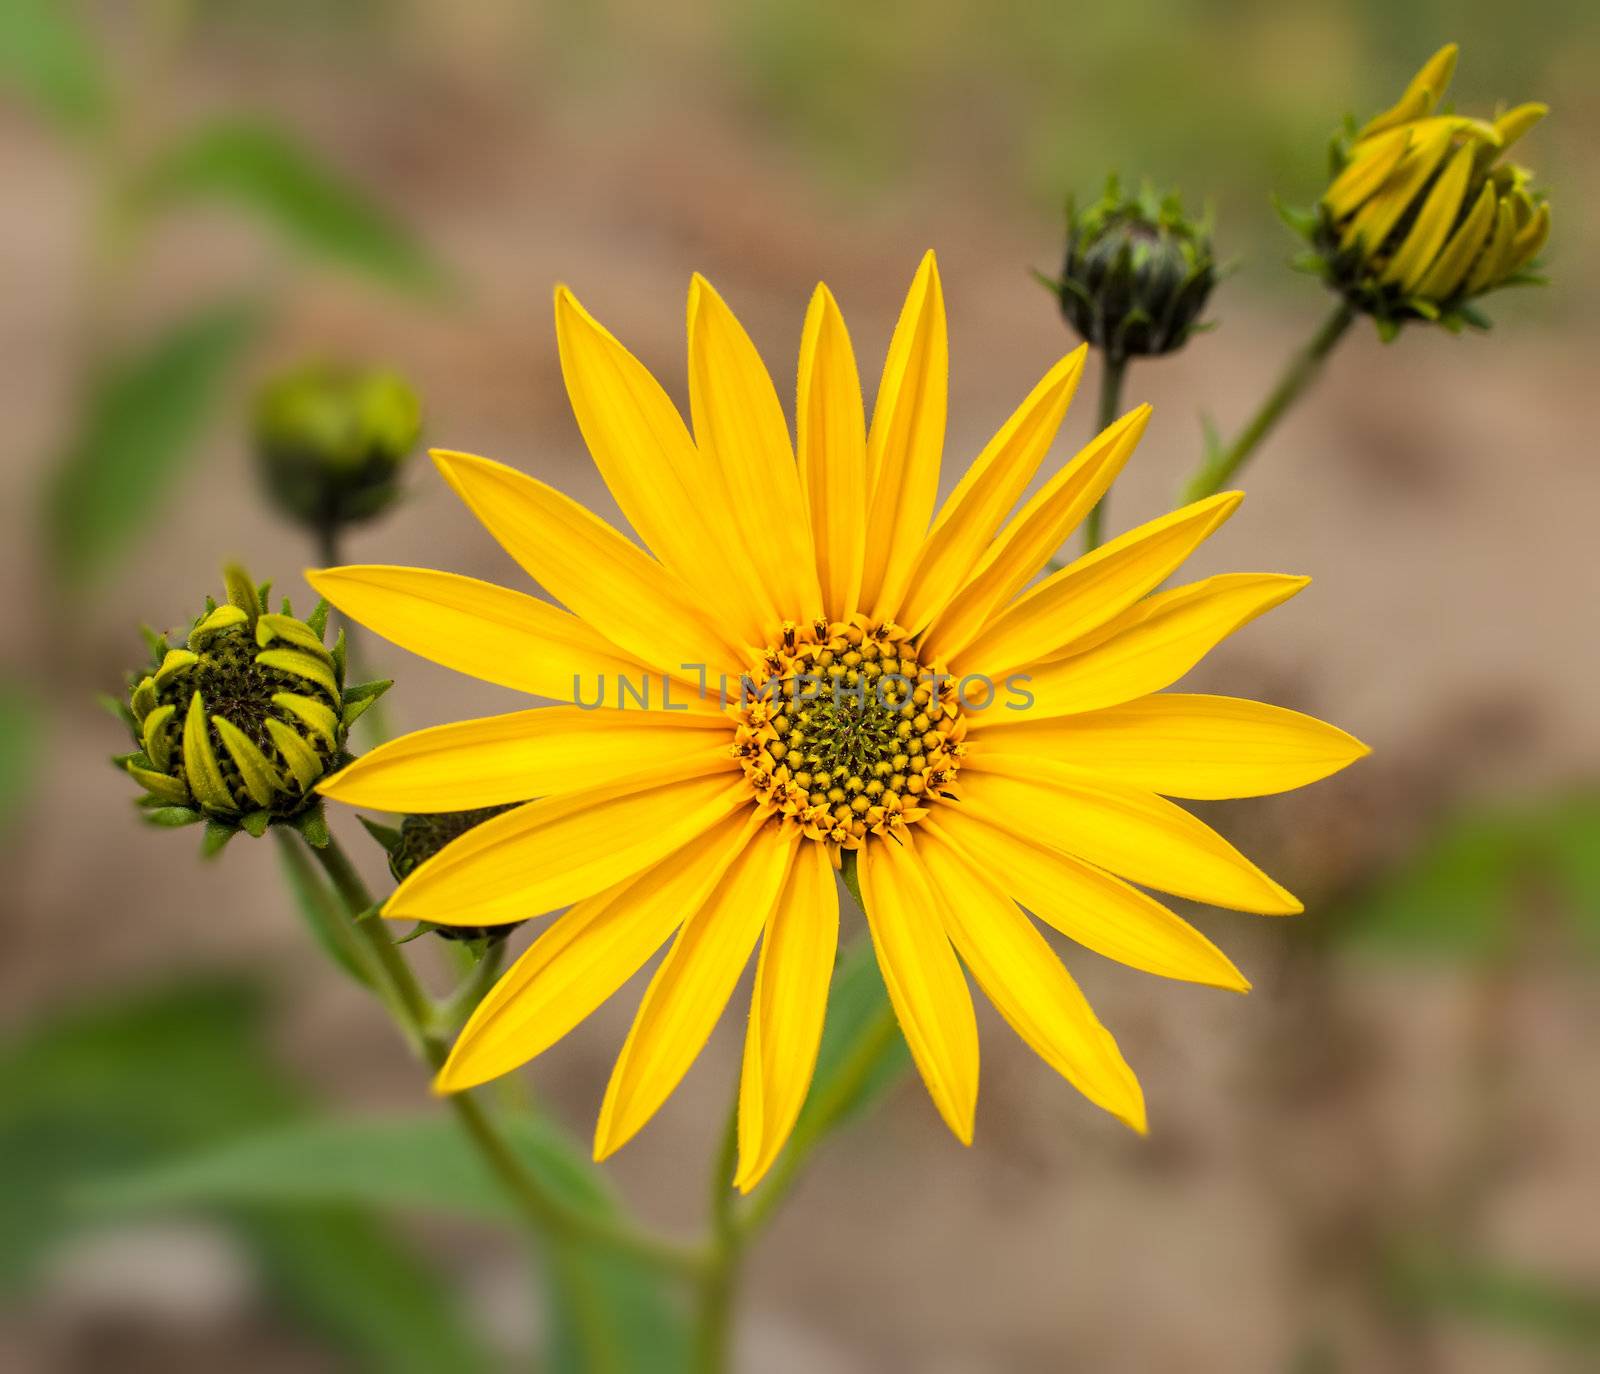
x,y
989,751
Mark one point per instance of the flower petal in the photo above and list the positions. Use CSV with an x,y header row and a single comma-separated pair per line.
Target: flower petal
x,y
1201,747
830,437
987,492
739,427
1135,834
1153,644
1427,235
584,957
786,1012
1088,905
924,979
488,632
1422,95
1028,984
905,441
1034,534
560,850
527,754
1092,590
693,985
661,482
590,568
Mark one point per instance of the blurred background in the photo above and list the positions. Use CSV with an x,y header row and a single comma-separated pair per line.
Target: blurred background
x,y
1383,1159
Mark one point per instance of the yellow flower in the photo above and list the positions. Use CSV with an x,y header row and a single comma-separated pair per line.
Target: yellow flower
x,y
1032,771
1422,217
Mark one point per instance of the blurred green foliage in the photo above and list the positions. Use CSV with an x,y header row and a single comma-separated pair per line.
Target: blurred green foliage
x,y
22,727
140,418
168,1072
1462,893
47,54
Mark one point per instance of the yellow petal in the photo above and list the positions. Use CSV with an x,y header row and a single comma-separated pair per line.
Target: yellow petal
x,y
739,427
1450,267
979,505
1530,239
924,979
591,569
786,1012
1424,92
1427,236
584,957
1152,644
662,483
1200,747
1086,594
1370,163
905,442
1134,834
693,984
1086,904
1496,256
830,436
1370,225
1028,984
490,633
1027,543
1514,123
200,761
528,754
560,850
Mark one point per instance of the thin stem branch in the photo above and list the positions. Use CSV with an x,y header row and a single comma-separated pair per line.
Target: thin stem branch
x,y
714,1324
1113,371
376,716
545,1210
1221,464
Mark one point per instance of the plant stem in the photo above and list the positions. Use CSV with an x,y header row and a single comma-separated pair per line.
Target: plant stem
x,y
714,1326
546,1211
1221,464
1113,369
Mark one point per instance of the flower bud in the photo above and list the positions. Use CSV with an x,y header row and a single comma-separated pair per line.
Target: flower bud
x,y
331,441
1421,216
420,837
1137,273
238,725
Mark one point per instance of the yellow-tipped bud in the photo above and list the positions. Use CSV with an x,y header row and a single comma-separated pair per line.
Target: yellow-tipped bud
x,y
1422,216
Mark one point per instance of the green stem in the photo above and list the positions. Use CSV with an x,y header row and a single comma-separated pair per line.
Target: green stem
x,y
546,1211
1113,370
1221,464
714,1324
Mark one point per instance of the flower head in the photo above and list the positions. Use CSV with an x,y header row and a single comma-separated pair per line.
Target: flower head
x,y
817,662
238,724
1137,274
330,441
1422,216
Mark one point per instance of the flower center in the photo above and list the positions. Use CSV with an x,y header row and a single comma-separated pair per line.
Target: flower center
x,y
848,732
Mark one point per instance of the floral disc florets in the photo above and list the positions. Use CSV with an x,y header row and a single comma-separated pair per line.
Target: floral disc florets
x,y
238,725
848,733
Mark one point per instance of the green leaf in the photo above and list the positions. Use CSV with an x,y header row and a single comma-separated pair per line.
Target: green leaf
x,y
139,423
1488,1294
124,1086
22,735
858,1060
265,170
47,54
424,1163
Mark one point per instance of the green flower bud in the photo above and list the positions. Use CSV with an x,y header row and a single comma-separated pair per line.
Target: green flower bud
x,y
420,837
1137,273
237,725
331,441
1421,216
